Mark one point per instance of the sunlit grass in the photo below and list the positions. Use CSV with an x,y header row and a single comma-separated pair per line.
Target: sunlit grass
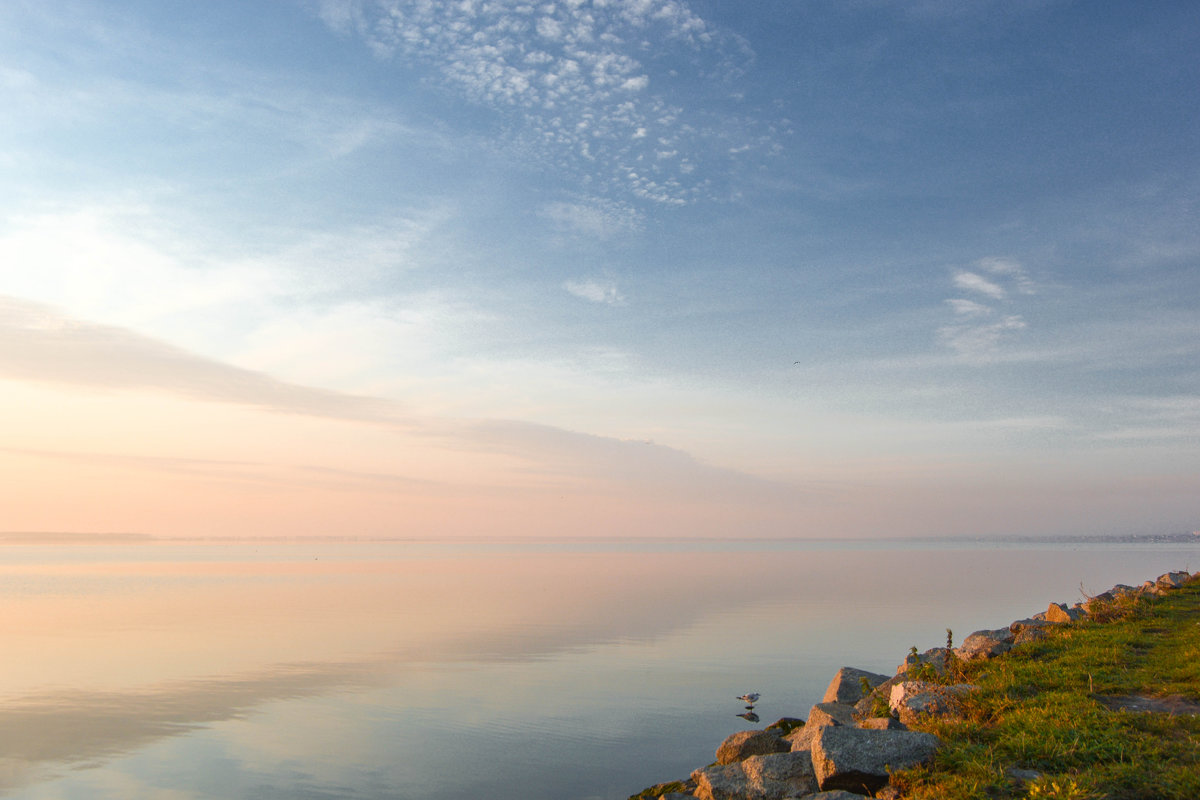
x,y
1037,710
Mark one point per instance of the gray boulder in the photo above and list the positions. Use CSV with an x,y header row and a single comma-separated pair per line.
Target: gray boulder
x,y
986,644
846,686
820,716
771,777
858,760
1058,613
1036,621
935,658
785,725
912,700
830,714
744,744
1030,634
1173,580
865,708
882,724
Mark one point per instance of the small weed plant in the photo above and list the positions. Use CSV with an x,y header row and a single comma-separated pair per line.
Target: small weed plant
x,y
879,700
1065,789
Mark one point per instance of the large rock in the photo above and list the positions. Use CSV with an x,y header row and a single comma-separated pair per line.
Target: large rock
x,y
770,777
830,714
1029,634
1173,580
744,744
1029,630
785,725
986,644
935,659
820,716
846,686
866,708
858,760
1058,613
882,724
912,700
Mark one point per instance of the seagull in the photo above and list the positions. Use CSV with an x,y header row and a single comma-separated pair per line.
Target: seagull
x,y
750,698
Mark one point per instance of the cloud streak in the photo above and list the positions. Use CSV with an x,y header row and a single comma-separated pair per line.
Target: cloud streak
x,y
37,343
973,282
597,291
974,336
595,217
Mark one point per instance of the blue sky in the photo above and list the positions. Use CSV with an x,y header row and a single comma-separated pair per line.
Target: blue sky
x,y
644,266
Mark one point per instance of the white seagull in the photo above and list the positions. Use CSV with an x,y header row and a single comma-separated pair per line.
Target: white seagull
x,y
750,698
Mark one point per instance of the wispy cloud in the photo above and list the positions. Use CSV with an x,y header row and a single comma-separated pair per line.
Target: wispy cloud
x,y
641,464
974,336
579,80
205,107
968,308
979,341
974,282
39,344
598,291
1168,419
1009,270
594,217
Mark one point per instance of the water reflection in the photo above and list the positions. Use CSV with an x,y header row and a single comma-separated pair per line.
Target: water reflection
x,y
433,654
122,652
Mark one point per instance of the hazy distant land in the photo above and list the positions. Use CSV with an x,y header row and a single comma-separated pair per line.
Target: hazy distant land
x,y
76,537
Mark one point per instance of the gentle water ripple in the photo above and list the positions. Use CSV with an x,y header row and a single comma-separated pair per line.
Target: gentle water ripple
x,y
562,671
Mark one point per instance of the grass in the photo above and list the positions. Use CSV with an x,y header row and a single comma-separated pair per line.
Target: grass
x,y
1036,709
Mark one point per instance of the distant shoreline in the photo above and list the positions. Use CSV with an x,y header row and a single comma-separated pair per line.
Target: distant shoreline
x,y
67,537
57,537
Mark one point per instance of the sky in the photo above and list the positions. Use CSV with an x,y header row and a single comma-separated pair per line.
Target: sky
x,y
777,268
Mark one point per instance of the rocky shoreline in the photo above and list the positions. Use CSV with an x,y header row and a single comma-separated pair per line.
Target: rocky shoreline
x,y
859,732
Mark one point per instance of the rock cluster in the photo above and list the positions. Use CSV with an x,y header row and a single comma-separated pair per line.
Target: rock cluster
x,y
859,732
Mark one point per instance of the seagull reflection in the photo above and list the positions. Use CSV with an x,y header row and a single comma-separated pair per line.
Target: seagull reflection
x,y
749,716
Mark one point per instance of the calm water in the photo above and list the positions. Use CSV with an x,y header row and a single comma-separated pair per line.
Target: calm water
x,y
539,671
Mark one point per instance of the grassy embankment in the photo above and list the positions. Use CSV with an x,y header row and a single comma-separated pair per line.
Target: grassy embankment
x,y
1038,708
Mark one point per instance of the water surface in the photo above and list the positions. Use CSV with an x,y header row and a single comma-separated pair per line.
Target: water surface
x,y
446,671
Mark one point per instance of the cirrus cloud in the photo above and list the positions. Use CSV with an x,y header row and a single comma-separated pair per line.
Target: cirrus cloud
x,y
598,291
973,336
974,282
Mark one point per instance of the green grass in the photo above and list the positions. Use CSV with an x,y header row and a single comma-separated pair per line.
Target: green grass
x,y
1036,710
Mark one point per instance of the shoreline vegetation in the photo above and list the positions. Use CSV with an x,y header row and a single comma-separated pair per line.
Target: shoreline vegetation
x,y
1099,701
